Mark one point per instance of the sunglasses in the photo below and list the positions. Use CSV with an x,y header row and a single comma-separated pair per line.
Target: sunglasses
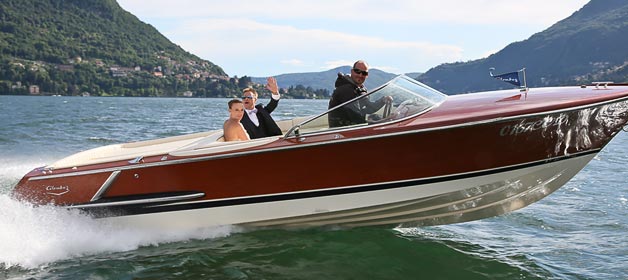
x,y
247,97
362,72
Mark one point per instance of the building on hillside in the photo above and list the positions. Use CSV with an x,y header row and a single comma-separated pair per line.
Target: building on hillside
x,y
117,71
65,67
17,64
214,77
33,90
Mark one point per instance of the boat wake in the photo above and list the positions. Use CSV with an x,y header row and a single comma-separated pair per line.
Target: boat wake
x,y
34,236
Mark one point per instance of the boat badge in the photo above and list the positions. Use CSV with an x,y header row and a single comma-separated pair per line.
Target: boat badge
x,y
57,190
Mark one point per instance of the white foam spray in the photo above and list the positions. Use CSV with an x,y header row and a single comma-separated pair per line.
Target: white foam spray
x,y
32,236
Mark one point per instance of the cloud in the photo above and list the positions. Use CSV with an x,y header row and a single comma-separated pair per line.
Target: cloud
x,y
292,62
408,11
262,44
272,37
336,63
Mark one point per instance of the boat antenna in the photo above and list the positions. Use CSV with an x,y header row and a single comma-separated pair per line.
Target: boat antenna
x,y
525,82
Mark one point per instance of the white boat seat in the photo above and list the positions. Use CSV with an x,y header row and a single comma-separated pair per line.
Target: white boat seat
x,y
128,151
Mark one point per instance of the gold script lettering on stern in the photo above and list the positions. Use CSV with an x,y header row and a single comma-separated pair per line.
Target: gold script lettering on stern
x,y
57,190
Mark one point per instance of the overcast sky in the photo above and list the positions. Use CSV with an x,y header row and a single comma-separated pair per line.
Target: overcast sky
x,y
265,38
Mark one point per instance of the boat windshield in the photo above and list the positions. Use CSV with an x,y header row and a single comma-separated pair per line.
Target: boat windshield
x,y
398,99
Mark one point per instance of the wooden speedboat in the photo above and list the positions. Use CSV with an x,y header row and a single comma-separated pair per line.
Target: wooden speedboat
x,y
423,159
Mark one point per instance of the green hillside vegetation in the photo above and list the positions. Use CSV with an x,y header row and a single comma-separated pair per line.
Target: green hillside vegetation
x,y
588,46
94,46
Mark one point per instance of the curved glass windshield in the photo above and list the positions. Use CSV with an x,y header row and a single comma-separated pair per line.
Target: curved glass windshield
x,y
400,98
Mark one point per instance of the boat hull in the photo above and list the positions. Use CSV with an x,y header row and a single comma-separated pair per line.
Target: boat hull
x,y
435,201
427,170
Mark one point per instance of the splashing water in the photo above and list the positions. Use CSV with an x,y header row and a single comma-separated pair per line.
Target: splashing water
x,y
32,236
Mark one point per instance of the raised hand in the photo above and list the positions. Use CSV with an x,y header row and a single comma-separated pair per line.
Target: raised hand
x,y
272,85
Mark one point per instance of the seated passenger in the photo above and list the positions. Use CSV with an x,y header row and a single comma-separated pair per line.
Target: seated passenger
x,y
233,129
350,87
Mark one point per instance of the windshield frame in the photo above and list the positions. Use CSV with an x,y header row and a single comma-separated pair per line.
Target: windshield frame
x,y
438,97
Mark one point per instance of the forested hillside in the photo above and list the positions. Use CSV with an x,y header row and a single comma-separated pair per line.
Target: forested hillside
x,y
588,46
74,47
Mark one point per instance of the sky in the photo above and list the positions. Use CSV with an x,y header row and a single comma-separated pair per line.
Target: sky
x,y
266,38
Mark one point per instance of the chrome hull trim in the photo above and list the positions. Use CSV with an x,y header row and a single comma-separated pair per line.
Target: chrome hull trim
x,y
112,178
146,201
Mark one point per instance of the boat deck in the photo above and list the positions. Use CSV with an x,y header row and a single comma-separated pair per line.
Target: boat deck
x,y
209,142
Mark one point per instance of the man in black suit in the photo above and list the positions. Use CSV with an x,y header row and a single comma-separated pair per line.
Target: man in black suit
x,y
257,120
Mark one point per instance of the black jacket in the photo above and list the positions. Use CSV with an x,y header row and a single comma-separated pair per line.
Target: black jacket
x,y
352,113
267,126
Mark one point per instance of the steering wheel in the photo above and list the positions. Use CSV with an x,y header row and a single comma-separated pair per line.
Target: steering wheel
x,y
404,107
387,109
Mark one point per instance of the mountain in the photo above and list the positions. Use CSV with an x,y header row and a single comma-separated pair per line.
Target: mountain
x,y
326,79
590,45
77,46
57,30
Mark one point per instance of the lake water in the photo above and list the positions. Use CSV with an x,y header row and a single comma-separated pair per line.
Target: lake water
x,y
578,232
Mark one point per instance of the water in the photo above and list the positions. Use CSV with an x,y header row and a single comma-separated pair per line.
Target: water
x,y
579,232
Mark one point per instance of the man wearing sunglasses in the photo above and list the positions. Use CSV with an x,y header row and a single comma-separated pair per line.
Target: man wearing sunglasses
x,y
349,87
257,120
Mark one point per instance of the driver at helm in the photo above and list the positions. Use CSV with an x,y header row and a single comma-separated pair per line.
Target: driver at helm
x,y
349,87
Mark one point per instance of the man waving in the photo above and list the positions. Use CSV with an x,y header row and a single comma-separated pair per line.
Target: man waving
x,y
257,120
